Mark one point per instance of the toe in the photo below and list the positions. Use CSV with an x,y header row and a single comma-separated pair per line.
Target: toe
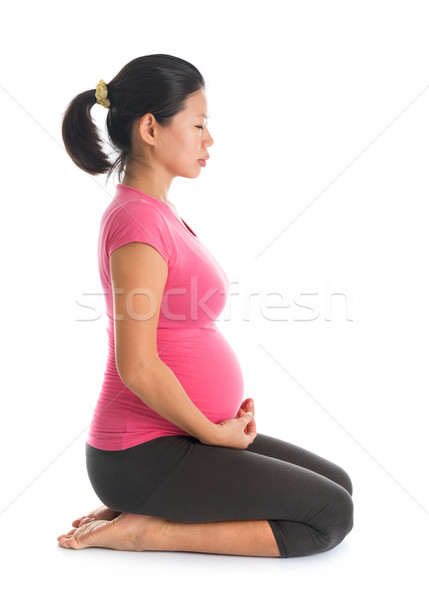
x,y
82,521
72,543
66,535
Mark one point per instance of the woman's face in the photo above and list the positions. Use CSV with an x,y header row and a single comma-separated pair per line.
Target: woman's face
x,y
178,147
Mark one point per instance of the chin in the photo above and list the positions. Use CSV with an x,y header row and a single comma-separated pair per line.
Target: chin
x,y
192,174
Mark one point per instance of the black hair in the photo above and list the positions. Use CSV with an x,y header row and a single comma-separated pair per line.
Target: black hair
x,y
155,83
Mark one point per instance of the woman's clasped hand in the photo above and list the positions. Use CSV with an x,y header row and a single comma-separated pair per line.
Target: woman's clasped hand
x,y
238,432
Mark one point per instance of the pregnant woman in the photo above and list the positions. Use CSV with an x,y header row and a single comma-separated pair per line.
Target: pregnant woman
x,y
172,451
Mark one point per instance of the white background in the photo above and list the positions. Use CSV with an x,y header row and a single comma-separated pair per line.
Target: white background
x,y
317,184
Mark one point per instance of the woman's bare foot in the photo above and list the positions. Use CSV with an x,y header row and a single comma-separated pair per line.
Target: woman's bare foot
x,y
103,513
125,532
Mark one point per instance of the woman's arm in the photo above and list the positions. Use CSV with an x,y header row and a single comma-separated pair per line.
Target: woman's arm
x,y
139,274
158,387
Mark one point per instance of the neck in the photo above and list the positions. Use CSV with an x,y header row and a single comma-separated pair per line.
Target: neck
x,y
148,189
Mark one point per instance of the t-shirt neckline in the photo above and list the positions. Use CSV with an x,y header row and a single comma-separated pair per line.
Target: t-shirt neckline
x,y
184,224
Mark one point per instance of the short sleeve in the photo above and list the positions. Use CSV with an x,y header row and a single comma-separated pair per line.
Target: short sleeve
x,y
140,221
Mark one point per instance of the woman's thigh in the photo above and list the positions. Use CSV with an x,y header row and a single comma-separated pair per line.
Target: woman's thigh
x,y
278,448
216,483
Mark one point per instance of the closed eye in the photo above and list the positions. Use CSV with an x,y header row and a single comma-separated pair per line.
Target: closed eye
x,y
200,126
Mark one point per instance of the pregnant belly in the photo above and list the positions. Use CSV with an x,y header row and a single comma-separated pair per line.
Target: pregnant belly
x,y
207,368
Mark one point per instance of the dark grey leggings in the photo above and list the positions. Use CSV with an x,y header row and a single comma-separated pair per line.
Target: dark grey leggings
x,y
305,498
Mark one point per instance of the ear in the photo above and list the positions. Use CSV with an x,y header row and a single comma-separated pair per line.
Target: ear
x,y
146,128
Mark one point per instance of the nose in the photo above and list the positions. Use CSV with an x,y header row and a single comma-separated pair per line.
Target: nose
x,y
210,139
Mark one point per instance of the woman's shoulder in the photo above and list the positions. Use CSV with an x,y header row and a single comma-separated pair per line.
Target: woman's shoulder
x,y
122,210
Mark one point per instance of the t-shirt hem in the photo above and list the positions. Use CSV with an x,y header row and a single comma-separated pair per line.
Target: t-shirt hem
x,y
124,444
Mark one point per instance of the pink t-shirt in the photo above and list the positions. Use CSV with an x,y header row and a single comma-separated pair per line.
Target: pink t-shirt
x,y
188,339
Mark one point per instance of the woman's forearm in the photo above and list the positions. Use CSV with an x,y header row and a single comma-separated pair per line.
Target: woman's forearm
x,y
158,387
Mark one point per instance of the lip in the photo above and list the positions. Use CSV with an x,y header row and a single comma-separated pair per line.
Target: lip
x,y
202,161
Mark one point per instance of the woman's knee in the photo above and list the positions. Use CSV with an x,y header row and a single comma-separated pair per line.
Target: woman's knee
x,y
344,480
325,531
341,519
347,514
339,475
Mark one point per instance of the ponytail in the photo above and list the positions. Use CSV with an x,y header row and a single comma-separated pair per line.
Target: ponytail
x,y
80,135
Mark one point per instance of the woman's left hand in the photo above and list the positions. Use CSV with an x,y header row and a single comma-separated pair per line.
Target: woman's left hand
x,y
247,405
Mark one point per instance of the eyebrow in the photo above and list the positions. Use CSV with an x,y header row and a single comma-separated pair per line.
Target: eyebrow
x,y
202,115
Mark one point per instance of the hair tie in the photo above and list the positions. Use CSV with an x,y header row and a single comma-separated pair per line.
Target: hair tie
x,y
101,94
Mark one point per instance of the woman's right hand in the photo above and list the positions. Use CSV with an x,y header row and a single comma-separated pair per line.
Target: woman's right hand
x,y
232,432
